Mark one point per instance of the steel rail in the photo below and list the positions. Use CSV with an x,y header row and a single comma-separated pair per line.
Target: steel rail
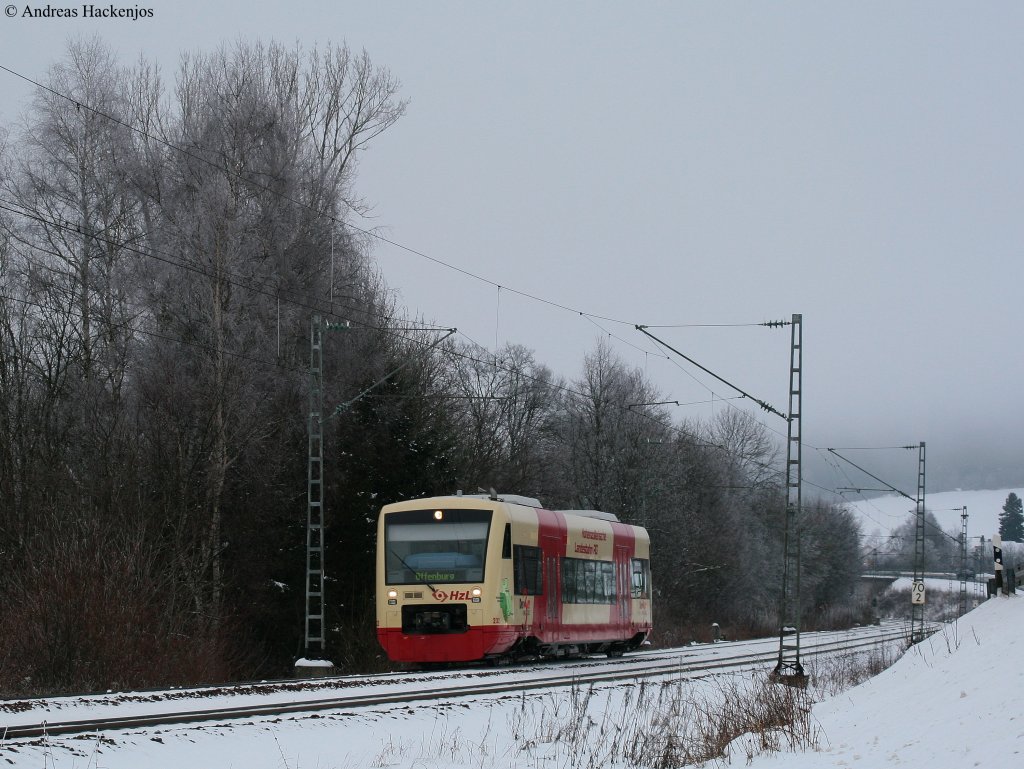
x,y
662,666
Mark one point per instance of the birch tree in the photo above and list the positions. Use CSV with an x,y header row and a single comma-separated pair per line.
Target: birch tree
x,y
248,199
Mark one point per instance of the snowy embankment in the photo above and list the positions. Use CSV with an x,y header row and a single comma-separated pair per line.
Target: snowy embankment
x,y
951,702
948,703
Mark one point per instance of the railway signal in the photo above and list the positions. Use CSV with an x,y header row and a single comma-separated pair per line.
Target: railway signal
x,y
997,558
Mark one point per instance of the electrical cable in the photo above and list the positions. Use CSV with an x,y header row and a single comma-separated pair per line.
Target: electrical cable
x,y
369,233
162,256
592,317
155,334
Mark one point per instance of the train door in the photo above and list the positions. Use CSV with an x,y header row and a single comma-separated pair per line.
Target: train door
x,y
552,591
623,587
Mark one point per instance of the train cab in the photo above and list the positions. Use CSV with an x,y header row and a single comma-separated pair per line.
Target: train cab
x,y
464,578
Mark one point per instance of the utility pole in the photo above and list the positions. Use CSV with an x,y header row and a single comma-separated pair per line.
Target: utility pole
x,y
315,644
314,636
788,669
917,593
963,561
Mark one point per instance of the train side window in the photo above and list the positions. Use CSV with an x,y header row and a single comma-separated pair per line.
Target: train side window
x,y
606,582
587,581
506,543
641,580
526,570
569,592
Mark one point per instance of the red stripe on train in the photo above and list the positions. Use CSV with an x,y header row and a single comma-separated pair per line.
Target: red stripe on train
x,y
474,644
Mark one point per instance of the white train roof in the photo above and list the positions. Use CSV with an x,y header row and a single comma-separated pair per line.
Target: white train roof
x,y
514,499
518,499
592,514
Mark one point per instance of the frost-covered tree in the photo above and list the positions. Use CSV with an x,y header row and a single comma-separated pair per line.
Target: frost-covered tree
x,y
613,433
161,251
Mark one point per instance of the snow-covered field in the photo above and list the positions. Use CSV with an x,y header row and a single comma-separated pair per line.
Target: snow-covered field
x,y
949,703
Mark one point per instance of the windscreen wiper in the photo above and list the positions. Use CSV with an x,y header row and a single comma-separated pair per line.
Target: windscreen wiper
x,y
410,568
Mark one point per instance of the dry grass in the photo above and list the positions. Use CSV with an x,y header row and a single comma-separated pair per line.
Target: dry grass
x,y
833,675
663,725
715,721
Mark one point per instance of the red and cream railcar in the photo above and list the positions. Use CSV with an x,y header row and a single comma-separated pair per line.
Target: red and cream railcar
x,y
465,578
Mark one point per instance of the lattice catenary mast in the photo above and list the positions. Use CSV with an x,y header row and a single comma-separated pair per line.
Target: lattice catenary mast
x,y
314,635
918,593
788,669
963,561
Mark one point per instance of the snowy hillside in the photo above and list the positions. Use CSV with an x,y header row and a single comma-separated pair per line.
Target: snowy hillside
x,y
983,510
949,703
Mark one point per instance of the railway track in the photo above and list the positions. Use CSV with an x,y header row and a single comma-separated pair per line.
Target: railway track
x,y
291,697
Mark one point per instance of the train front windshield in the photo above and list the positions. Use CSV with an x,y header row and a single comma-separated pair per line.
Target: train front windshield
x,y
435,546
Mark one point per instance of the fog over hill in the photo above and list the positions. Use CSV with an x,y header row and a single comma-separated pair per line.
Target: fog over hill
x,y
884,513
952,462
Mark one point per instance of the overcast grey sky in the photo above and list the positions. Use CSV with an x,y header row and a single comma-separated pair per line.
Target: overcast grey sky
x,y
692,163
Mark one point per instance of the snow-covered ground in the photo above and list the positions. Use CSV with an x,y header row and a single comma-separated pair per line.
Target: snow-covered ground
x,y
950,702
975,589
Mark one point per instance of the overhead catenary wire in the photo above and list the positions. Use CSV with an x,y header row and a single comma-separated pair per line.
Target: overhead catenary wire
x,y
875,477
716,397
407,362
676,429
277,364
860,490
162,256
611,335
256,289
870,448
577,393
939,536
766,406
390,331
237,174
69,226
591,316
771,324
155,334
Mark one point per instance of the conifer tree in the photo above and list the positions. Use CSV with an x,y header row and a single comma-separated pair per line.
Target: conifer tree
x,y
1011,520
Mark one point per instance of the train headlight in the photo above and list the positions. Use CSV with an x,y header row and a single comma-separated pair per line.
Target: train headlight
x,y
476,592
438,515
392,594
